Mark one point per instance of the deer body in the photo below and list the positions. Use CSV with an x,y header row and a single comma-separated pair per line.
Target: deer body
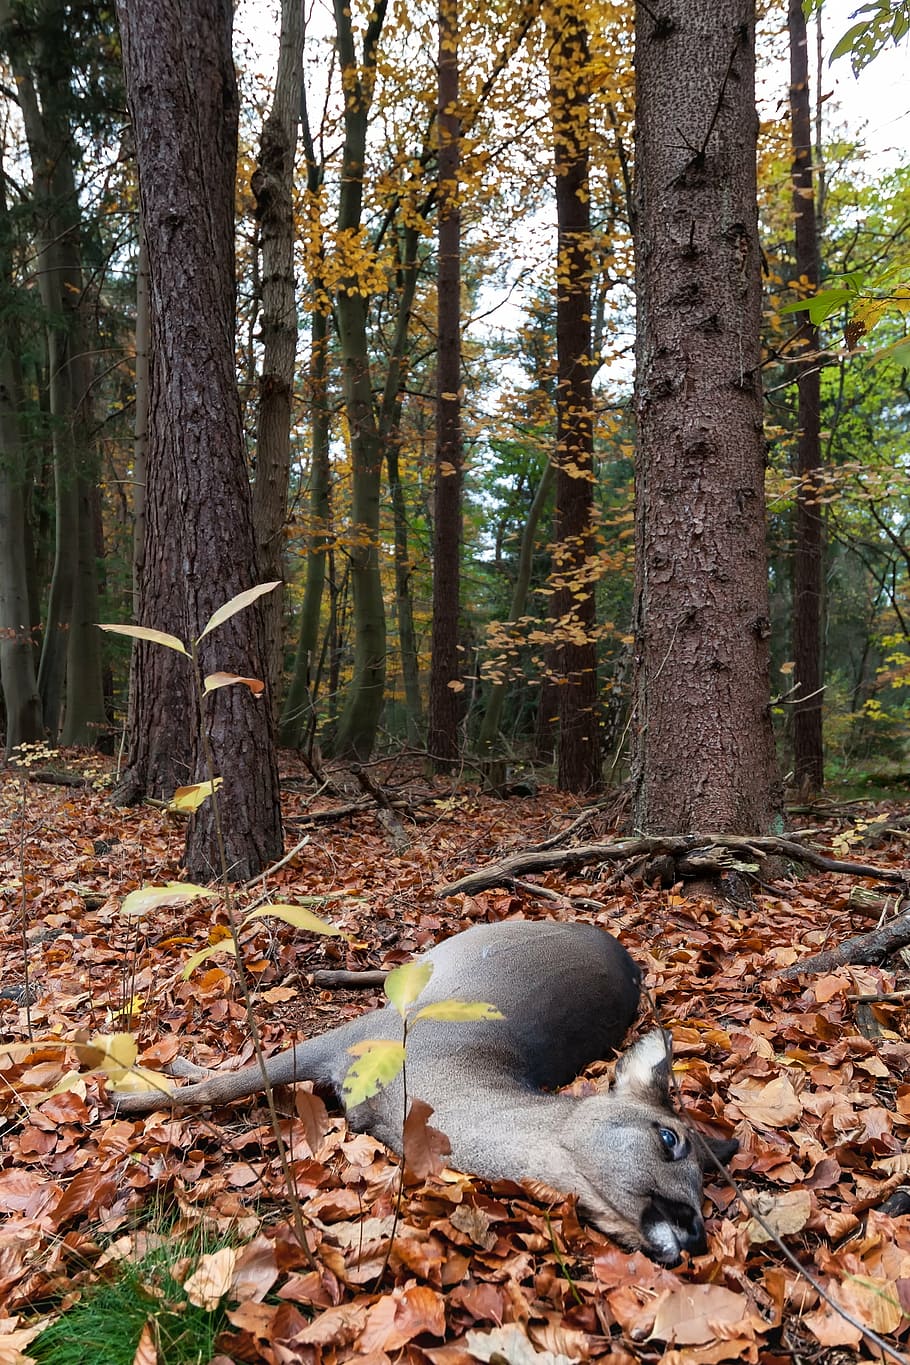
x,y
568,993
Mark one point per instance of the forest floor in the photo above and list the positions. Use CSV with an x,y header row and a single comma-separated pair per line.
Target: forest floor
x,y
815,1084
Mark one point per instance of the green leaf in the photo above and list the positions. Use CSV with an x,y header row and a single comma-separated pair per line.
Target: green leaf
x,y
224,945
243,599
191,798
404,984
458,1011
154,897
845,43
157,637
299,917
898,351
378,1062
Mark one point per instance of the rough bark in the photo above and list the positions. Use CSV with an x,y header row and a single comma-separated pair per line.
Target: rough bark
x,y
808,551
574,608
359,719
17,652
445,668
43,74
704,751
272,185
199,548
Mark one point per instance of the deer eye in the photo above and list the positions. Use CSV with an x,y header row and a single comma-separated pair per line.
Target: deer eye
x,y
676,1147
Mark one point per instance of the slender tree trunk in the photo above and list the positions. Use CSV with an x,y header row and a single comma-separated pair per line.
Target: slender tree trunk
x,y
359,719
574,607
445,666
492,717
390,431
272,185
297,718
199,549
17,655
74,582
808,554
704,745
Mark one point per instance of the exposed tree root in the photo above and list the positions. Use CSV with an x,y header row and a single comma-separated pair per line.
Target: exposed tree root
x,y
692,854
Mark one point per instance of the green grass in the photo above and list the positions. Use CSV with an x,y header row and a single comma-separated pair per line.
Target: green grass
x,y
104,1327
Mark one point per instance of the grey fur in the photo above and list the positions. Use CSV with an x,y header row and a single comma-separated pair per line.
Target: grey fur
x,y
568,993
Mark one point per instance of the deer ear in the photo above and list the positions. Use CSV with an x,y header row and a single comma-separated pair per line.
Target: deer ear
x,y
643,1073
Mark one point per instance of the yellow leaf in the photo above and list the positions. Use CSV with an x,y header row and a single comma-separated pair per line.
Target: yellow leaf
x,y
224,945
191,798
154,897
378,1063
404,984
459,1011
216,680
157,637
299,917
243,599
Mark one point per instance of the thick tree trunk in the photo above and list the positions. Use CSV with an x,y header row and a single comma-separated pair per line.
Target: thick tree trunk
x,y
578,746
445,667
199,548
704,745
272,185
808,553
359,719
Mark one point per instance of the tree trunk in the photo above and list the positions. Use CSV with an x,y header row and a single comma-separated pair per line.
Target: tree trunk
x,y
704,750
808,556
46,72
272,184
297,720
199,548
574,607
84,716
391,440
359,719
17,654
489,728
445,666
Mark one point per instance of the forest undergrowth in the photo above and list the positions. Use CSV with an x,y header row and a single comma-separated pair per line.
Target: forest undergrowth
x,y
814,1083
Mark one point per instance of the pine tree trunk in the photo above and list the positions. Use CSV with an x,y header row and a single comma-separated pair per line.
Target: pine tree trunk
x,y
704,755
199,549
445,666
574,607
272,184
808,553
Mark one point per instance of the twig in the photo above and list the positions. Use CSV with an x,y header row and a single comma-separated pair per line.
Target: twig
x,y
865,949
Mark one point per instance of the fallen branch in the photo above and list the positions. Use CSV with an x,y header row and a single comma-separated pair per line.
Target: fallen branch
x,y
866,950
716,852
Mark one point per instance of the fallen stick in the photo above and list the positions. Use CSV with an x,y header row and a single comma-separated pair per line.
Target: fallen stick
x,y
866,950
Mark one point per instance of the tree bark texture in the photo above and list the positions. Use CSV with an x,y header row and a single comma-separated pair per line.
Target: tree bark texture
x,y
445,668
17,650
199,548
272,185
808,551
704,750
41,61
359,719
574,606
